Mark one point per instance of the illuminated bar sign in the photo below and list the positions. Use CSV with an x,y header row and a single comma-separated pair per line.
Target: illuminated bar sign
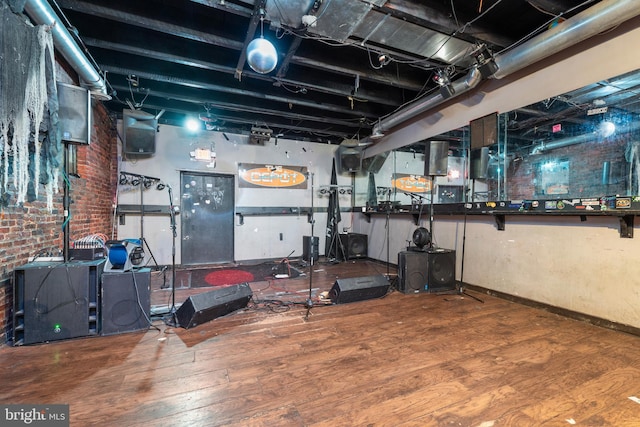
x,y
271,176
411,183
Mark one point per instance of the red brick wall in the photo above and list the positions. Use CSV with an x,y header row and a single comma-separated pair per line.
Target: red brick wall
x,y
585,171
30,228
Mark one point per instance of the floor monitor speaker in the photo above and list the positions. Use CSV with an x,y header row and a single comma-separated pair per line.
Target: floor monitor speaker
x,y
436,158
355,245
125,301
310,249
358,289
201,308
55,300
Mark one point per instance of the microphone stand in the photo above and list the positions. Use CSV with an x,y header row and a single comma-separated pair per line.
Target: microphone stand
x,y
309,302
172,215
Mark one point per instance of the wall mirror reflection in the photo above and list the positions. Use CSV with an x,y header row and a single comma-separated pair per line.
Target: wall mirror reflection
x,y
580,144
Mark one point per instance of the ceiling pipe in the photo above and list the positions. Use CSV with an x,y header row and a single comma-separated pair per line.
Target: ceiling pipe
x,y
458,87
42,14
588,23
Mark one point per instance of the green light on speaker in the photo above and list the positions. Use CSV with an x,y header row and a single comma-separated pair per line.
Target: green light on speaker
x,y
57,328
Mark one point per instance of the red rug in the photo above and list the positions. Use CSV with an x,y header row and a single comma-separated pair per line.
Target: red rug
x,y
236,275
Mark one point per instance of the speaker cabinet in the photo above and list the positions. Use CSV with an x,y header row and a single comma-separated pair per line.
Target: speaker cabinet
x,y
309,249
479,164
125,301
355,246
429,271
139,130
55,301
348,159
74,113
358,289
201,308
436,158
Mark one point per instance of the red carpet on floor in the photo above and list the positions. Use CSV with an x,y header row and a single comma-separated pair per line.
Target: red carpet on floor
x,y
232,276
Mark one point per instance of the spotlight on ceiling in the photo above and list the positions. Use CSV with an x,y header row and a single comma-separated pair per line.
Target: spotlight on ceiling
x,y
259,135
261,54
192,125
442,79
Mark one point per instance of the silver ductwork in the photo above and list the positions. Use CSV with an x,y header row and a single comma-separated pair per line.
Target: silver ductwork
x,y
460,86
598,18
42,14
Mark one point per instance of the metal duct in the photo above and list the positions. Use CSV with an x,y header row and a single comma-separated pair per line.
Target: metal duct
x,y
598,18
42,14
459,87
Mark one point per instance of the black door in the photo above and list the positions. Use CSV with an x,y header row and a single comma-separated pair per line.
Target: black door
x,y
207,218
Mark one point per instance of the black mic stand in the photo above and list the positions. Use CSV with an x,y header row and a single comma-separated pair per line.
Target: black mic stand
x,y
172,215
309,302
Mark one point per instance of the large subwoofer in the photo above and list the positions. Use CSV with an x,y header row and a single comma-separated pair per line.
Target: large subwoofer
x,y
358,289
55,300
201,308
428,271
354,244
125,301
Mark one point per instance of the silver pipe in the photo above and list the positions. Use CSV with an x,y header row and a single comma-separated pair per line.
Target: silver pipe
x,y
459,86
588,23
42,14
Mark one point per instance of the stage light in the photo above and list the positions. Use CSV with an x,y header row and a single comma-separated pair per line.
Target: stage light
x,y
192,125
261,54
421,237
606,129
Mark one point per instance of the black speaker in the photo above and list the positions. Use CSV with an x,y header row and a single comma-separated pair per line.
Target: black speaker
x,y
358,288
310,250
125,301
436,158
348,159
74,113
413,269
430,271
201,308
479,163
374,164
354,244
55,300
139,130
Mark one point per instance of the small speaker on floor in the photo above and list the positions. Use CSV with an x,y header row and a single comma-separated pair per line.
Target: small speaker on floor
x,y
358,289
355,245
202,308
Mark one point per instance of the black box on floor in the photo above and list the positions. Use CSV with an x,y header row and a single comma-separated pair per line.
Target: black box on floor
x,y
55,301
125,301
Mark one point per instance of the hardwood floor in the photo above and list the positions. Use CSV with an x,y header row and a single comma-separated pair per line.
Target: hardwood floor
x,y
401,360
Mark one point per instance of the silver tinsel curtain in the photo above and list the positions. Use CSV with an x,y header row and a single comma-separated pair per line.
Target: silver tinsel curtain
x,y
30,152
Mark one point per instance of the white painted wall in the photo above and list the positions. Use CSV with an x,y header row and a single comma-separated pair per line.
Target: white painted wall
x,y
581,266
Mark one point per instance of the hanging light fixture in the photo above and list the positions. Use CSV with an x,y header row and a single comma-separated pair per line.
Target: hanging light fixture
x,y
261,54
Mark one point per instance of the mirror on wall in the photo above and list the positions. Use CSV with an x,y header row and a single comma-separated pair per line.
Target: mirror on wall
x,y
580,144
